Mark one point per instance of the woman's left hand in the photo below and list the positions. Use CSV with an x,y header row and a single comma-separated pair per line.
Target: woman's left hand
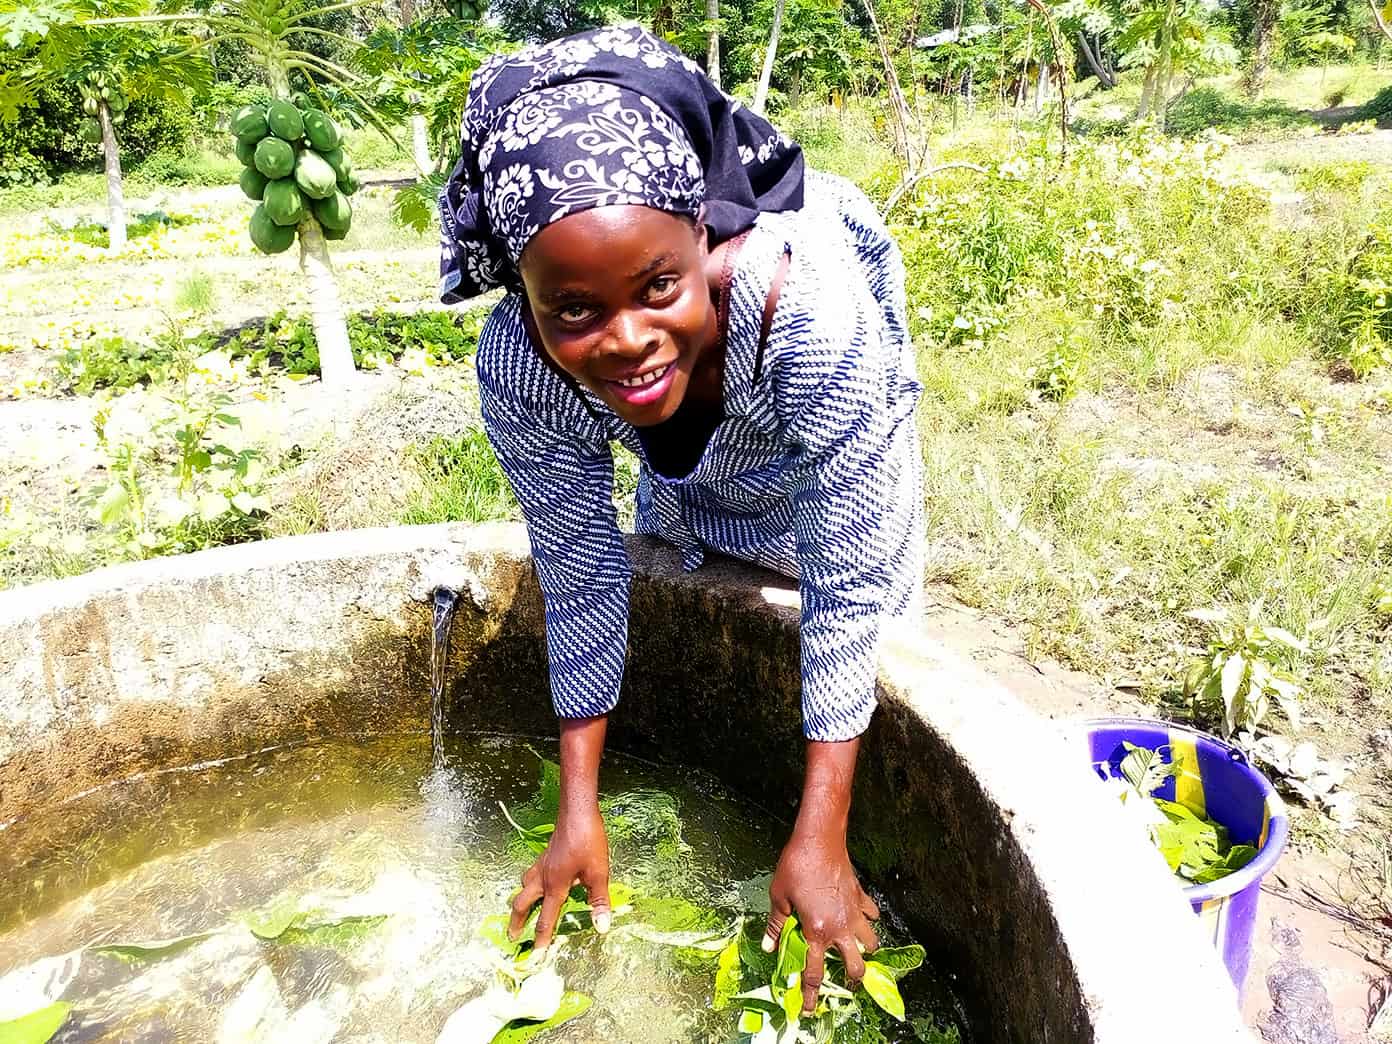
x,y
816,881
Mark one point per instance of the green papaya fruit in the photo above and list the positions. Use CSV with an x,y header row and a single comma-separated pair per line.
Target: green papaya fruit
x,y
117,102
313,175
334,211
285,121
89,105
269,237
91,131
249,124
339,161
253,183
275,158
349,185
301,101
283,202
246,151
321,131
333,234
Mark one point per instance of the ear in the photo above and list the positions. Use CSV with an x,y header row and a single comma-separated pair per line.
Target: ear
x,y
702,233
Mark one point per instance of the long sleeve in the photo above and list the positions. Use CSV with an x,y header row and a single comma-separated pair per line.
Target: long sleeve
x,y
562,473
855,493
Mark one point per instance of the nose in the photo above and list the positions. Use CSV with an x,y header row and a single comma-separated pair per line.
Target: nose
x,y
629,336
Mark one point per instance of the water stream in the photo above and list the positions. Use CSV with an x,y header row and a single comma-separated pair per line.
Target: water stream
x,y
445,602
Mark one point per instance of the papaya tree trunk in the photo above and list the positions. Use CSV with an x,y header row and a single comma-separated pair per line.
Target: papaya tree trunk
x,y
336,368
713,41
325,306
1148,90
1264,14
115,196
761,91
420,141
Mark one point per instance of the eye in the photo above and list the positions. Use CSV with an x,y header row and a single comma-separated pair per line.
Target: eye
x,y
574,314
662,286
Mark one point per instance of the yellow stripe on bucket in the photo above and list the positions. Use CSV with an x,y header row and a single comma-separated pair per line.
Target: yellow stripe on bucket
x,y
1188,784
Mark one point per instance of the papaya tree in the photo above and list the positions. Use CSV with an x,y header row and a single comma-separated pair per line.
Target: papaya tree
x,y
413,66
107,67
275,34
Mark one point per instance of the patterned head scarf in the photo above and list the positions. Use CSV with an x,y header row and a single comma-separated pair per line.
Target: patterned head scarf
x,y
610,116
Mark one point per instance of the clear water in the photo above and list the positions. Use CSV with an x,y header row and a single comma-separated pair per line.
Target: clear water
x,y
362,828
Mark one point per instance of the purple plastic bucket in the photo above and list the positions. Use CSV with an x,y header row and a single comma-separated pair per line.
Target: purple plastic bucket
x,y
1215,780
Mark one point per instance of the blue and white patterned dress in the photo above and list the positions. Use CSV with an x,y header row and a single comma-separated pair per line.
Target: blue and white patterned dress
x,y
815,471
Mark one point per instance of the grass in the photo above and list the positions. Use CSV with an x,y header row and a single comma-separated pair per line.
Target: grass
x,y
1133,405
463,483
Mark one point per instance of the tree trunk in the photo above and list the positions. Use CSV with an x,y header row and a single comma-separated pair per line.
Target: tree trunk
x,y
761,91
1148,91
336,367
1103,77
1264,18
115,197
420,141
1041,90
713,41
794,86
325,307
896,93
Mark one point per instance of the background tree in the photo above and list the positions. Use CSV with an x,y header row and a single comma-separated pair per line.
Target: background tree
x,y
106,68
276,33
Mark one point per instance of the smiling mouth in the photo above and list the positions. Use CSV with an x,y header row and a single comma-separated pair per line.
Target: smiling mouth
x,y
644,379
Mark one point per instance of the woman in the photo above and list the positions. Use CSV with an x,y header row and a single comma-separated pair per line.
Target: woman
x,y
678,285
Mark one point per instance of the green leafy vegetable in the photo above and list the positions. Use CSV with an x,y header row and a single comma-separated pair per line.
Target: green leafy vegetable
x,y
883,990
150,951
898,961
1146,769
37,1027
573,1005
727,976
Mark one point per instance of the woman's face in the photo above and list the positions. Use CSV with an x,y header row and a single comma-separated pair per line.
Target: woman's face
x,y
622,304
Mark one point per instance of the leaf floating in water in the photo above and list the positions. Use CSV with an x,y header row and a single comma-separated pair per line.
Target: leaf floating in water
x,y
898,961
883,990
288,924
573,1005
538,999
727,976
37,1027
25,990
150,951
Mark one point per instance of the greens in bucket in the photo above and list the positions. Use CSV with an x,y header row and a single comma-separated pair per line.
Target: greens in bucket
x,y
1197,849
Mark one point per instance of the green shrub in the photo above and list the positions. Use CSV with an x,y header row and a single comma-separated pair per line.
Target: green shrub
x,y
1378,108
1206,107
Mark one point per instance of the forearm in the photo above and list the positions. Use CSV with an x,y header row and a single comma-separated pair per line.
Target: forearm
x,y
826,791
582,749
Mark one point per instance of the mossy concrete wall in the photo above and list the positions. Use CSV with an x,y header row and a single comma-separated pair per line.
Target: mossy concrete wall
x,y
977,818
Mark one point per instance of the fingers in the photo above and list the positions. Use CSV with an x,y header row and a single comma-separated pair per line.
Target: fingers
x,y
551,905
523,902
865,935
812,976
868,906
855,964
779,914
597,887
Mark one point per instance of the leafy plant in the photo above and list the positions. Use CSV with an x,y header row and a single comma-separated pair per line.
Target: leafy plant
x,y
1247,665
1196,848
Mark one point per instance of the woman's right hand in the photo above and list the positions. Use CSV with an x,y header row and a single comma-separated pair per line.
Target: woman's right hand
x,y
578,854
579,850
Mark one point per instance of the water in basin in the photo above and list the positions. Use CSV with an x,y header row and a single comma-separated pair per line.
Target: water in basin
x,y
368,875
